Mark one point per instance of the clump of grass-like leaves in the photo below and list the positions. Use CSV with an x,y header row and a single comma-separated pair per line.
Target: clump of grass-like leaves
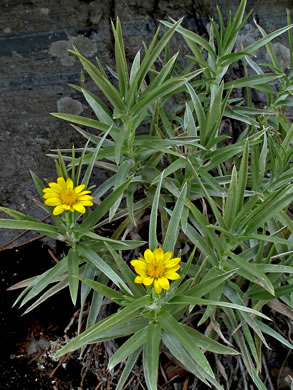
x,y
217,206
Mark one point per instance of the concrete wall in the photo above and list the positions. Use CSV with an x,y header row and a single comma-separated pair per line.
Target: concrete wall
x,y
35,70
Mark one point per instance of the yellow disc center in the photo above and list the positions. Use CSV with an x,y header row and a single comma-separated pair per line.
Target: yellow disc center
x,y
68,197
155,270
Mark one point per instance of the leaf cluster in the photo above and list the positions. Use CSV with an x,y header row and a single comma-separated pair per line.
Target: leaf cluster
x,y
221,202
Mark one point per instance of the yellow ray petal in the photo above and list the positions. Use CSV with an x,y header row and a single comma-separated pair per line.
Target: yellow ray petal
x,y
61,183
58,210
79,207
52,202
157,286
148,255
172,262
164,283
79,188
172,275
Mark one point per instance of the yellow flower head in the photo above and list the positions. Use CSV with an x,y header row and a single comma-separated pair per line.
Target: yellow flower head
x,y
156,268
65,197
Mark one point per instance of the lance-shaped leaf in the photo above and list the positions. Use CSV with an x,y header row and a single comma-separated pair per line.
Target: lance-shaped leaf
x,y
128,348
151,352
251,272
153,242
43,280
101,288
126,272
170,325
177,350
22,224
95,259
173,226
127,369
73,273
92,219
191,36
252,81
263,41
102,82
189,300
120,318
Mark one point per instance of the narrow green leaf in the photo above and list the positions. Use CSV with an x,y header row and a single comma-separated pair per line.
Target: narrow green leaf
x,y
102,82
266,210
91,164
73,273
152,54
151,351
128,348
96,303
43,280
93,218
252,81
208,343
134,68
242,179
127,369
263,41
190,300
108,292
201,117
176,349
81,120
17,215
271,332
38,184
99,108
21,224
119,318
95,259
252,272
153,242
126,272
207,285
48,293
121,177
173,226
170,325
120,57
191,36
231,200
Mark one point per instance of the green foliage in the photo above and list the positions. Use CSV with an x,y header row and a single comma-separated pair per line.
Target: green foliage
x,y
178,181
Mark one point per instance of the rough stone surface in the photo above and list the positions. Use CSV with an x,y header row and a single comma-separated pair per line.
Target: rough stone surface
x,y
36,68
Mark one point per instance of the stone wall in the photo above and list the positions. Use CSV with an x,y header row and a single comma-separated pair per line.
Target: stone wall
x,y
36,68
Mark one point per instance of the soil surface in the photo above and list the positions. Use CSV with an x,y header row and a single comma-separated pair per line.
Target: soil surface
x,y
27,339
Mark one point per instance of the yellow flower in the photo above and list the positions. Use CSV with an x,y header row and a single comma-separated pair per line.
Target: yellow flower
x,y
65,197
156,268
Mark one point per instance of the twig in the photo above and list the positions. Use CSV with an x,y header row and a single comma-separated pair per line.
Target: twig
x,y
141,385
53,256
15,238
85,368
163,373
282,368
5,247
75,315
59,363
268,378
185,384
243,374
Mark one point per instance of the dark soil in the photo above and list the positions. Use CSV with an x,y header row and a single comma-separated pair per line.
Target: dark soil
x,y
26,338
